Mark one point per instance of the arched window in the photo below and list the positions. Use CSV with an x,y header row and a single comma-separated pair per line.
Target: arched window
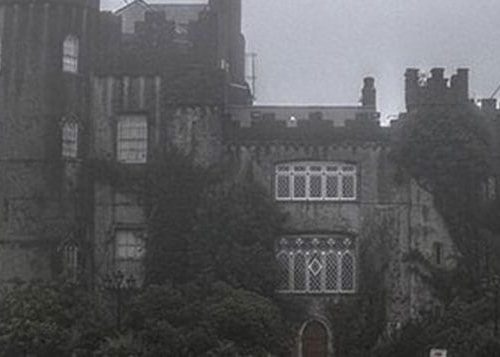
x,y
71,49
70,259
317,265
331,279
284,268
315,181
347,276
299,272
315,270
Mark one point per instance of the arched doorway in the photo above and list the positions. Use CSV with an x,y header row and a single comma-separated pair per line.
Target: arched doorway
x,y
314,340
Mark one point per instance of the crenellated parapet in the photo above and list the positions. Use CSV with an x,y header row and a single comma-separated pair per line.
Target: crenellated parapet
x,y
435,89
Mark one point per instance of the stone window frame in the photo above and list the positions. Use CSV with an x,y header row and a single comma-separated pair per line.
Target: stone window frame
x,y
317,273
132,142
70,54
70,251
69,136
131,265
332,175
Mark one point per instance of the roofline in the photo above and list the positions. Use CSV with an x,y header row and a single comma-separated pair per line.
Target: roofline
x,y
128,5
299,106
150,5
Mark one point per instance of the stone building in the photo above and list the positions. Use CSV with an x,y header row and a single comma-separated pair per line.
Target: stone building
x,y
77,85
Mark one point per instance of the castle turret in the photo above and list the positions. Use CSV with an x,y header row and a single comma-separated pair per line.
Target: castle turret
x,y
421,90
46,61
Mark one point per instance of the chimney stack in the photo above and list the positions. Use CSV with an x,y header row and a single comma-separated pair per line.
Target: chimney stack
x,y
369,93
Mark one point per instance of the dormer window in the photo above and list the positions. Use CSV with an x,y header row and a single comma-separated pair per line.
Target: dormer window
x,y
69,138
315,181
70,54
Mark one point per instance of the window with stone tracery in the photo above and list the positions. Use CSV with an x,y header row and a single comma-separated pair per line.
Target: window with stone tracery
x,y
317,265
315,181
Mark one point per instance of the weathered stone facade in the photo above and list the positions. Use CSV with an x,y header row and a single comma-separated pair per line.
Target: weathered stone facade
x,y
192,101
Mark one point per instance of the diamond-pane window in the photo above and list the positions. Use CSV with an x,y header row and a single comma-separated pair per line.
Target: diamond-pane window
x,y
315,181
299,272
331,271
299,186
283,186
332,186
348,186
284,268
315,266
315,186
347,272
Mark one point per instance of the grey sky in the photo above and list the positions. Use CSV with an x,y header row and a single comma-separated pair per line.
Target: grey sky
x,y
318,51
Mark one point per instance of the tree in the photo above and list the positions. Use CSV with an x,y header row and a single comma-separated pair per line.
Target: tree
x,y
48,320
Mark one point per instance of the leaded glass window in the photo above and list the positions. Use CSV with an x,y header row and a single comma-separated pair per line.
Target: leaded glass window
x,y
316,265
283,264
347,268
331,271
299,271
316,181
132,139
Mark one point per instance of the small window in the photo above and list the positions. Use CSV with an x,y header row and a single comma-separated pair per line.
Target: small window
x,y
70,54
438,253
70,260
70,139
132,140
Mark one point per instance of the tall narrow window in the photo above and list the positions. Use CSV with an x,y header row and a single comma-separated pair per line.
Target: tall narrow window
x,y
284,266
347,277
129,253
70,54
438,253
132,140
70,139
299,272
70,259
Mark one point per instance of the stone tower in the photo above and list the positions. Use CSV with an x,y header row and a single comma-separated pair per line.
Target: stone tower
x,y
46,49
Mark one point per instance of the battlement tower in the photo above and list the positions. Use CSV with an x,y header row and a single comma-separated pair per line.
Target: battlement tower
x,y
47,51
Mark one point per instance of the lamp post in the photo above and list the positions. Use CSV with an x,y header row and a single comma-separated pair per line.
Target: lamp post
x,y
491,286
119,285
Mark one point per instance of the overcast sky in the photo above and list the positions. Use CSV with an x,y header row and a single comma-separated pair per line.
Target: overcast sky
x,y
318,51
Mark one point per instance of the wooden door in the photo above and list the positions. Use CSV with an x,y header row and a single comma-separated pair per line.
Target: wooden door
x,y
314,340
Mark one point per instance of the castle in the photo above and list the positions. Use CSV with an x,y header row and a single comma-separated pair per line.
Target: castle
x,y
77,84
